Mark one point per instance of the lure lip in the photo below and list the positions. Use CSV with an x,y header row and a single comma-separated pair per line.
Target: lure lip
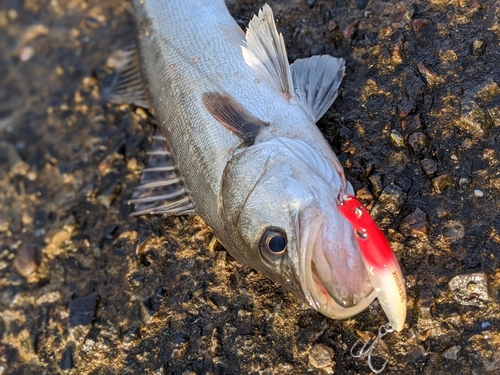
x,y
383,267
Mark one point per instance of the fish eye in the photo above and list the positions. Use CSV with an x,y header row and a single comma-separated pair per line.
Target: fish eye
x,y
273,244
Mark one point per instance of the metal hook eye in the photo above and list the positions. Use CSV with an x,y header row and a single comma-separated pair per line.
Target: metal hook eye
x,y
369,346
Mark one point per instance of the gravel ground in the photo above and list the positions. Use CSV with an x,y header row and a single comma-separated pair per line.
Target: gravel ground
x,y
86,289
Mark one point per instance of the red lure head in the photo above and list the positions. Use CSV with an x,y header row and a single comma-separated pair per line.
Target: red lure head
x,y
372,243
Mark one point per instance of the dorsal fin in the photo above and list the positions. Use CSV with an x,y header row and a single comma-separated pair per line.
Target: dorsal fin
x,y
265,51
160,190
127,86
316,81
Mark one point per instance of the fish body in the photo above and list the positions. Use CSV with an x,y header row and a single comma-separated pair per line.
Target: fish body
x,y
240,124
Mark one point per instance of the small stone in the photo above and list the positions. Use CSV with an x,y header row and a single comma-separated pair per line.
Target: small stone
x,y
389,204
454,231
320,356
488,153
429,166
418,24
66,362
26,53
398,49
349,31
429,75
463,184
132,165
478,193
452,352
317,49
470,289
477,47
332,25
82,310
396,138
141,113
415,225
441,212
441,183
106,200
425,302
376,182
364,195
417,141
26,260
345,132
414,124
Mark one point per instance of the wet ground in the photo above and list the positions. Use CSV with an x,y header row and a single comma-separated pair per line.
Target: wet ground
x,y
86,289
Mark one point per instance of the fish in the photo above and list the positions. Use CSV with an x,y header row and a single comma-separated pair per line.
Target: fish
x,y
238,145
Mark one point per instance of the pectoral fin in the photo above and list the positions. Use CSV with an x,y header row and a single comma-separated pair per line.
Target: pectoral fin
x,y
316,81
265,51
233,116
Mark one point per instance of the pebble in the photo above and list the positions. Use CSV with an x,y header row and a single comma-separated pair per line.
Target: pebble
x,y
345,132
454,231
396,138
441,212
477,47
425,303
56,243
470,289
321,356
478,193
388,205
376,182
441,183
463,184
332,25
412,94
429,166
452,352
417,141
26,260
349,31
416,123
415,225
317,49
364,195
82,310
66,362
418,24
429,75
26,53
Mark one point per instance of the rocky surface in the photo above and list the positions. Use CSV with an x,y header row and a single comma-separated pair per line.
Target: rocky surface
x,y
85,289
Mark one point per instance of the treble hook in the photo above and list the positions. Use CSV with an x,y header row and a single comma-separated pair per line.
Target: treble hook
x,y
368,348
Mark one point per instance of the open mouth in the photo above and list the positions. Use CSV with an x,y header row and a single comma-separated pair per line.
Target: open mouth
x,y
332,299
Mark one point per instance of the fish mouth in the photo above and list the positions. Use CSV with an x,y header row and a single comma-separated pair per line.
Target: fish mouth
x,y
337,290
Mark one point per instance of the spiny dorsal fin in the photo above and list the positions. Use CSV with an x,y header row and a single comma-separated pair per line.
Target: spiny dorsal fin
x,y
233,116
160,190
316,81
127,86
265,51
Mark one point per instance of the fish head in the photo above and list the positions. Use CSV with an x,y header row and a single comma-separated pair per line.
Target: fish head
x,y
282,212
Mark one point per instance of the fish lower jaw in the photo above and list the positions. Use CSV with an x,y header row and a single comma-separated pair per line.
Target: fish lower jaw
x,y
320,299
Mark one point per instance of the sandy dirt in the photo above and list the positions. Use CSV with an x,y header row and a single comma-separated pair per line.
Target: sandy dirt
x,y
86,289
